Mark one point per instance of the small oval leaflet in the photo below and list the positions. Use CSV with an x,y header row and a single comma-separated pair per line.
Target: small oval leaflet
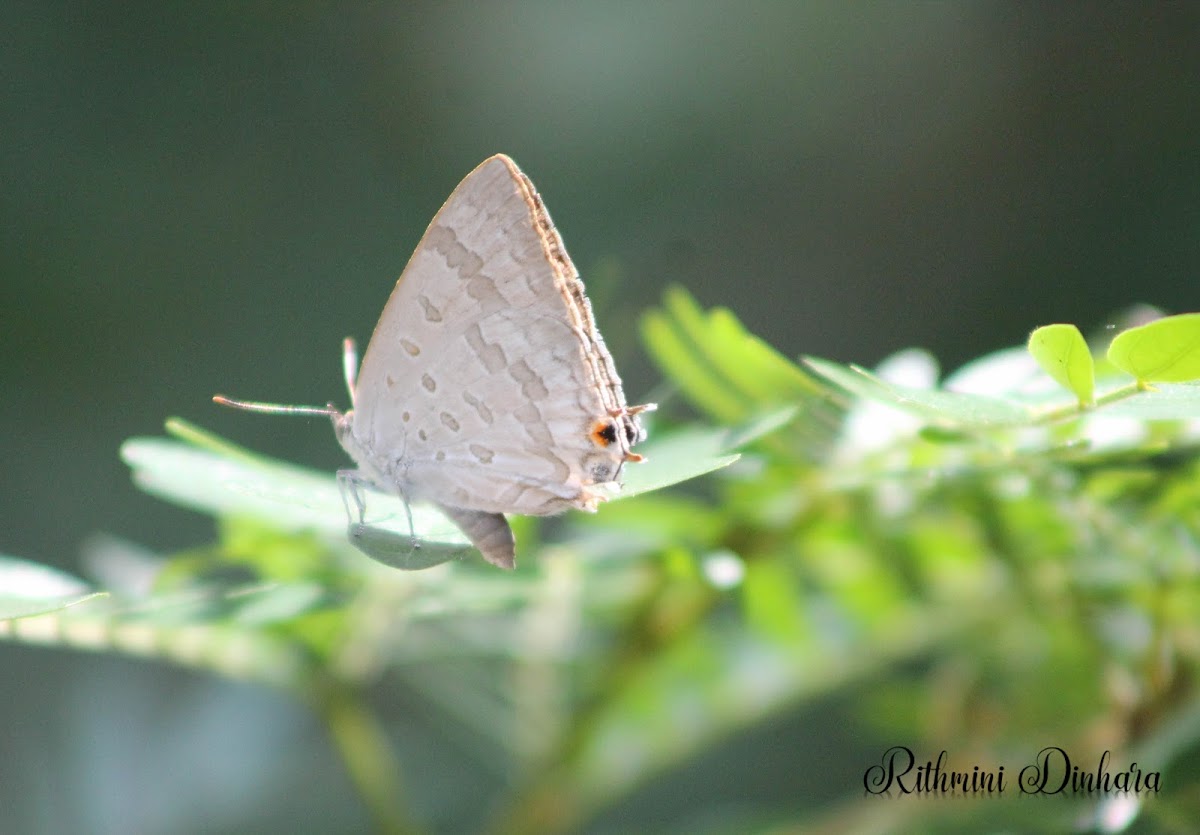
x,y
486,388
1063,353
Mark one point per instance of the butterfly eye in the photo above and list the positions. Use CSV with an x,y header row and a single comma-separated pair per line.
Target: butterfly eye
x,y
632,435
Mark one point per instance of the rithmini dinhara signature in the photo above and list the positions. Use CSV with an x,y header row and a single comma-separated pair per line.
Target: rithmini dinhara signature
x,y
1051,772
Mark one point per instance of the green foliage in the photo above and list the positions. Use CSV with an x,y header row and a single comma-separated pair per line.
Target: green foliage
x,y
983,566
28,589
1164,351
1063,354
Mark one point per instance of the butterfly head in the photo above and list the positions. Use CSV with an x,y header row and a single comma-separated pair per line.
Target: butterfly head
x,y
630,426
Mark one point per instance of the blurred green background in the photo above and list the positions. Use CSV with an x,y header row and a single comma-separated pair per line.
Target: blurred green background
x,y
203,198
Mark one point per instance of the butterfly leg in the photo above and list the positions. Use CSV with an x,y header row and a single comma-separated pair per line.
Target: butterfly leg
x,y
412,533
348,482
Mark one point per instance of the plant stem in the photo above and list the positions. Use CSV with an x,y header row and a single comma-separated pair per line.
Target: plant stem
x,y
361,742
1058,413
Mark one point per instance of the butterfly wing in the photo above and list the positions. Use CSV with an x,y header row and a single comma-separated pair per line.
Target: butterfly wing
x,y
486,386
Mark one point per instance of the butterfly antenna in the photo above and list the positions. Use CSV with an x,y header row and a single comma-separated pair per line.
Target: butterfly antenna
x,y
275,408
350,365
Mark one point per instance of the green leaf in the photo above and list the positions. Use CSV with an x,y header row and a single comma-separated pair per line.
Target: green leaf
x,y
1063,353
286,496
1166,350
27,588
697,450
759,427
722,368
675,457
948,409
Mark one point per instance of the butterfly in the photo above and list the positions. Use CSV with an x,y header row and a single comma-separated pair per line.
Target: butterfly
x,y
486,387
